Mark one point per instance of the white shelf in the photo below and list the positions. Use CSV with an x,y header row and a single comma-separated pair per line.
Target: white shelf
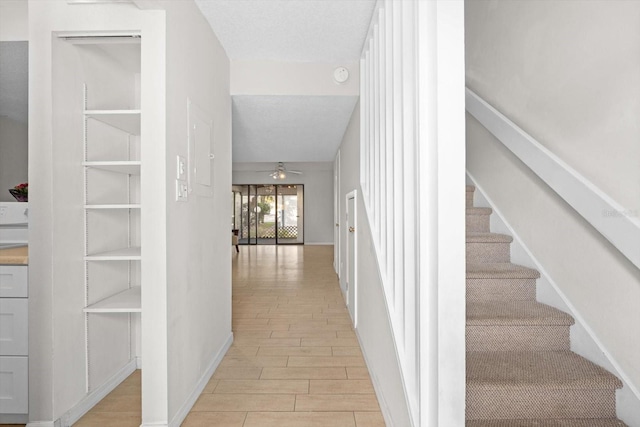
x,y
113,206
125,254
125,120
128,301
129,167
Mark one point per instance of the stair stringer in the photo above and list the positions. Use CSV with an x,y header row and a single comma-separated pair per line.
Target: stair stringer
x,y
582,339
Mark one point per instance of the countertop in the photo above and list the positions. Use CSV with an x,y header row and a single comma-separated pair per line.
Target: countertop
x,y
14,256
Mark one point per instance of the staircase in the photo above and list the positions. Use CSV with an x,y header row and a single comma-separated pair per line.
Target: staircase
x,y
520,369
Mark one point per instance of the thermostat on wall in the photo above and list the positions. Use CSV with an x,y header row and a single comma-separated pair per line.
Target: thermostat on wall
x,y
341,75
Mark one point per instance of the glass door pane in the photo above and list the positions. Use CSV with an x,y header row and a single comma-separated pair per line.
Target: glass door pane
x,y
289,216
266,214
249,207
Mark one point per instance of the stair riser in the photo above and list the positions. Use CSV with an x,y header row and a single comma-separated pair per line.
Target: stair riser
x,y
517,338
488,252
486,290
478,223
469,199
528,402
546,423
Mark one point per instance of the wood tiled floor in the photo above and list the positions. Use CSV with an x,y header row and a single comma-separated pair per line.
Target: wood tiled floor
x,y
295,360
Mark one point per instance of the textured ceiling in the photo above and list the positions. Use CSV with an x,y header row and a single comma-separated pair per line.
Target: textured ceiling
x,y
289,128
301,128
14,79
290,30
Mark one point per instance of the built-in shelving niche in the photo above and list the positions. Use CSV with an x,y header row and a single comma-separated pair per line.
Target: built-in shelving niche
x,y
109,85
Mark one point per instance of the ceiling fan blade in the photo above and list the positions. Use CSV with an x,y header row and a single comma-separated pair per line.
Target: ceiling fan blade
x,y
296,172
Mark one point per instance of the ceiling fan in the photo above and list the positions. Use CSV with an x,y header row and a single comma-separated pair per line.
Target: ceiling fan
x,y
280,172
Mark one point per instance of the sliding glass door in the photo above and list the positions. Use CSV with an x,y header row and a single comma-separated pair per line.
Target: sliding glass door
x,y
268,214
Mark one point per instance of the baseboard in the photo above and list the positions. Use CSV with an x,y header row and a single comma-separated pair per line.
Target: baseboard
x,y
43,424
14,418
629,393
202,383
89,401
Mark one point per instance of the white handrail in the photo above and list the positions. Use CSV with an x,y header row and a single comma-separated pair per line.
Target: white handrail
x,y
618,225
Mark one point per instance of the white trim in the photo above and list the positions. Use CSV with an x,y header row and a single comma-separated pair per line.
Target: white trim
x,y
612,220
90,400
336,215
352,220
41,424
573,311
13,418
202,383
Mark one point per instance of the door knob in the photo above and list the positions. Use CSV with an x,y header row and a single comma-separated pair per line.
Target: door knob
x,y
337,225
351,229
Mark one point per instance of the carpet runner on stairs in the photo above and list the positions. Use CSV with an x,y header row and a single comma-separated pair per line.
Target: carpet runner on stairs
x,y
520,370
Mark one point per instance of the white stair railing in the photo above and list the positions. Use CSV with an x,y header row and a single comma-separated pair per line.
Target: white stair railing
x,y
412,163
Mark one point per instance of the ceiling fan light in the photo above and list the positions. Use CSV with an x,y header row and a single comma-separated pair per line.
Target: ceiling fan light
x,y
282,175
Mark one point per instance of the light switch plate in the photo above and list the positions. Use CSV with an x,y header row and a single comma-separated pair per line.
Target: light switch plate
x,y
181,168
182,190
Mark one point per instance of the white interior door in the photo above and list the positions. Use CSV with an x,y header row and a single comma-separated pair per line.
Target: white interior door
x,y
351,285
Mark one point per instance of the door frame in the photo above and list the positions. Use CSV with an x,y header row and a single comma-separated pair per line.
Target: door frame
x,y
276,226
351,220
336,215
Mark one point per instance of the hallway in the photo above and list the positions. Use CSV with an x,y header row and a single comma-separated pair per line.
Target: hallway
x,y
295,360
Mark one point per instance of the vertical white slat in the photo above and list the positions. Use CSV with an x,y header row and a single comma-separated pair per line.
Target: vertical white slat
x,y
389,174
376,134
398,159
363,121
451,211
382,148
371,128
410,200
428,254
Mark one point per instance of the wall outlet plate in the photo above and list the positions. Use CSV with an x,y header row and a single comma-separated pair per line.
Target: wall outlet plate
x,y
181,168
182,190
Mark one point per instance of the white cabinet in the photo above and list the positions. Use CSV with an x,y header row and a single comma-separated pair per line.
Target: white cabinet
x,y
14,395
14,319
13,281
14,341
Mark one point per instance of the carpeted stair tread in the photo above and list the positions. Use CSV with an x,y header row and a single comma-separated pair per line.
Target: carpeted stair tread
x,y
488,238
479,211
548,369
515,313
500,270
471,188
591,422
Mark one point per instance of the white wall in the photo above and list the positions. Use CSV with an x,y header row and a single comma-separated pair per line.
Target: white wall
x,y
14,20
198,231
292,78
317,179
13,156
566,74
